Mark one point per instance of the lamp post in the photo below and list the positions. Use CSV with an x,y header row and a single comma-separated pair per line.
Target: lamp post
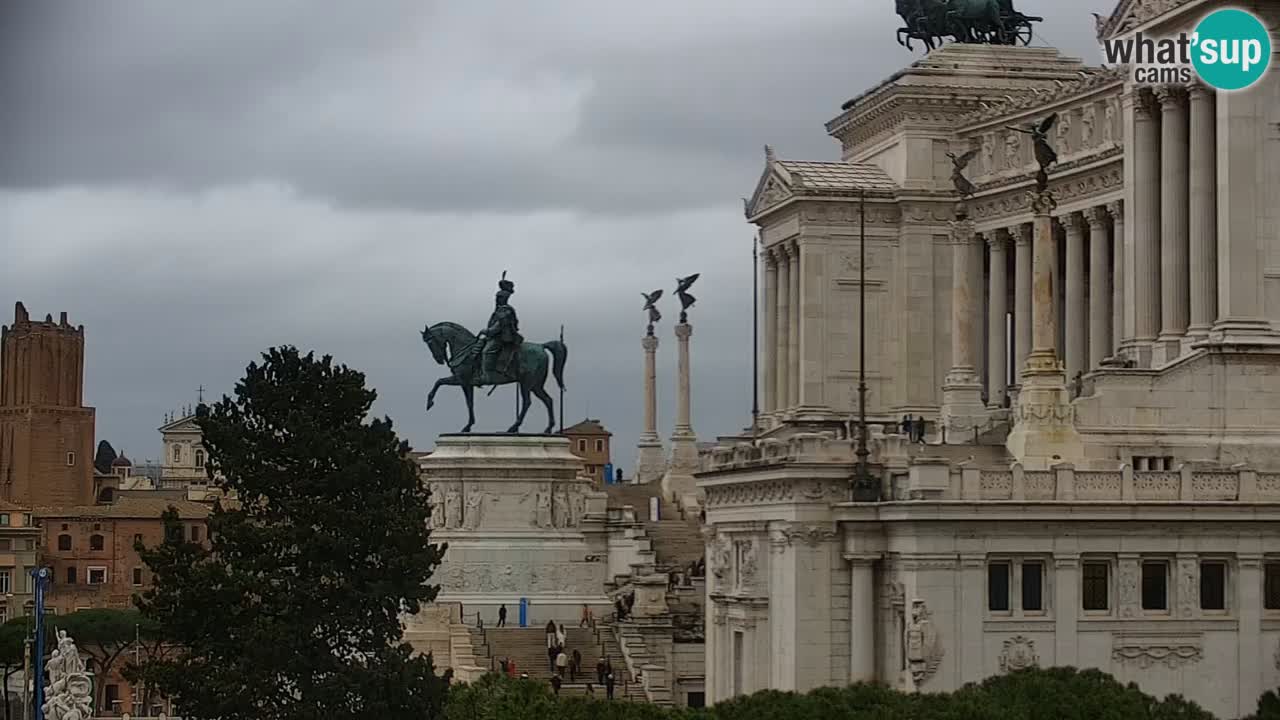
x,y
41,576
864,488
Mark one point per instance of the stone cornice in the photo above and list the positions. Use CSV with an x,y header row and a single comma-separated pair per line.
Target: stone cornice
x,y
1092,81
1012,204
1061,512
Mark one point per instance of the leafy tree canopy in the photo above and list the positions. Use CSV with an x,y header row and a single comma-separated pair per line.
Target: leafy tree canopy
x,y
293,609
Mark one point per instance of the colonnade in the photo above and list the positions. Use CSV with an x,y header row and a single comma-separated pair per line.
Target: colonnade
x,y
781,347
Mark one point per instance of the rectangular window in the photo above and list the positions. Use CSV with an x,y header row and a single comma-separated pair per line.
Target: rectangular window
x,y
111,698
97,576
998,587
1271,586
71,575
195,533
71,459
599,446
582,445
1095,585
1155,585
31,544
26,519
1032,586
1213,585
6,544
137,576
27,579
4,519
6,581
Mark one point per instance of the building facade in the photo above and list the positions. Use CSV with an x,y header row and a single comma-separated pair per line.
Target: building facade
x,y
91,548
1106,508
589,440
19,539
46,433
184,456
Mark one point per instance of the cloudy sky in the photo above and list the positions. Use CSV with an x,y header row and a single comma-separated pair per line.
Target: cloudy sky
x,y
195,182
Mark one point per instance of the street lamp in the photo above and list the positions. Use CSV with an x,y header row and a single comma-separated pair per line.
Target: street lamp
x,y
865,488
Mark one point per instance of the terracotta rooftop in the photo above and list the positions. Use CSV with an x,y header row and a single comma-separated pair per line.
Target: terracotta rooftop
x,y
129,508
587,427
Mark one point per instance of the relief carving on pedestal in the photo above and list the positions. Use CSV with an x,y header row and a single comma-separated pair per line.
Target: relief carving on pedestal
x,y
1019,653
559,509
474,514
436,505
453,505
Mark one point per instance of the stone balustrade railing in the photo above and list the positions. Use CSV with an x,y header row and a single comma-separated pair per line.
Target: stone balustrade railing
x,y
938,480
816,447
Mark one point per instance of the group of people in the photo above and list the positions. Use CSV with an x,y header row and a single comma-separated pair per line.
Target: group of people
x,y
696,568
913,429
622,606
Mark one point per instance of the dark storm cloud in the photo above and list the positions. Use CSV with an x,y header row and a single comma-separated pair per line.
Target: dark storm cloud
x,y
195,183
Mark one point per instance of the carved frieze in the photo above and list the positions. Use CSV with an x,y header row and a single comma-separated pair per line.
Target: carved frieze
x,y
1172,651
1188,587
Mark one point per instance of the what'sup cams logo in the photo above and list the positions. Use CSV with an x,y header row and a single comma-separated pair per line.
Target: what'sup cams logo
x,y
1230,49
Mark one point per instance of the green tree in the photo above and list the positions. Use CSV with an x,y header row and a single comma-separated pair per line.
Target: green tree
x,y
293,609
13,637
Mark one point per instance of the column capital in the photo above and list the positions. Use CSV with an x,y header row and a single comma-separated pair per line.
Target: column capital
x,y
1200,91
1021,234
791,248
1170,97
1096,217
649,343
1116,209
684,331
997,240
770,258
1073,222
962,232
1144,104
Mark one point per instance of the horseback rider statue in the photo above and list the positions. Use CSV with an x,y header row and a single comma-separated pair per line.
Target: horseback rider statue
x,y
501,337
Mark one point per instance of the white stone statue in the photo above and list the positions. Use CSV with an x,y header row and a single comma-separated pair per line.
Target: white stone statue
x,y
453,506
748,563
578,507
1087,118
921,646
69,694
1012,149
1109,123
475,507
1064,133
988,153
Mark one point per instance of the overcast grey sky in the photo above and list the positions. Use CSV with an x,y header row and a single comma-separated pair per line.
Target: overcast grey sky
x,y
195,182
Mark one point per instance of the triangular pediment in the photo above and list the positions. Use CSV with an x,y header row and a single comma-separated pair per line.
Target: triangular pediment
x,y
1130,14
773,188
181,425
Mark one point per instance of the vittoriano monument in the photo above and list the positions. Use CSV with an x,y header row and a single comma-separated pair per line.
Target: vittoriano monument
x,y
992,22
499,355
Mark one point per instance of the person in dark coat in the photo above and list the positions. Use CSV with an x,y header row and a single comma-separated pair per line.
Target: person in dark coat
x,y
552,652
608,686
600,671
907,428
502,615
575,665
555,684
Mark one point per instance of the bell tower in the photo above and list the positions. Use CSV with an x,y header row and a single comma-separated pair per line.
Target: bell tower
x,y
46,433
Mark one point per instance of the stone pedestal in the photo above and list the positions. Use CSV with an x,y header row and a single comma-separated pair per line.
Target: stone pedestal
x,y
1044,432
678,484
650,460
512,509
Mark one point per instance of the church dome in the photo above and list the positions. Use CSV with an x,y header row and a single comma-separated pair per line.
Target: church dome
x,y
121,461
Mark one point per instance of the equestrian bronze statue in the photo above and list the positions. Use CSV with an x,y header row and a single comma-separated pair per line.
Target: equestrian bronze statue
x,y
990,22
498,355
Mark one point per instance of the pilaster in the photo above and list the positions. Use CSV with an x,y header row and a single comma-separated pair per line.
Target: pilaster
x,y
1203,212
962,407
998,300
1173,224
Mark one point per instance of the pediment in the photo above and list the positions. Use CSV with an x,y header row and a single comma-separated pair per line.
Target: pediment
x,y
1130,14
181,425
772,189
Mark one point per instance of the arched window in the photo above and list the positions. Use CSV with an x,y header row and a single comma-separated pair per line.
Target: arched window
x,y
199,458
177,453
64,543
96,542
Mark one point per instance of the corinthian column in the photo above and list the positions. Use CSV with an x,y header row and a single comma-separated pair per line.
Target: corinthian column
x,y
1099,291
650,463
1174,281
1073,313
1203,212
783,362
998,299
793,343
678,484
1021,293
962,407
770,331
1116,210
1146,227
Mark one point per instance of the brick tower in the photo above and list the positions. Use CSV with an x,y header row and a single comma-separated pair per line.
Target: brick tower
x,y
46,434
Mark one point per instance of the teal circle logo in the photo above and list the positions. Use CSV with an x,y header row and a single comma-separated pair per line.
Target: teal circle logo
x,y
1231,49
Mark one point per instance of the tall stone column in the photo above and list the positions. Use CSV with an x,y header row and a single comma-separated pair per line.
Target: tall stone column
x,y
1116,210
782,364
962,406
1203,212
862,619
1146,228
650,460
1099,289
1174,248
1021,294
1044,432
793,327
678,483
998,302
1074,310
769,302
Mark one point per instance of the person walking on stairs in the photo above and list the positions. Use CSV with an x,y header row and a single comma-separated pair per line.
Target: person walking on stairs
x,y
502,615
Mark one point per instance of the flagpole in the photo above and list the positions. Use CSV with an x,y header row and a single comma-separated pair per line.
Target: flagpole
x,y
562,388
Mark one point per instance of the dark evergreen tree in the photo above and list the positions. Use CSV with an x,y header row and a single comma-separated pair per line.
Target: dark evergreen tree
x,y
293,609
104,457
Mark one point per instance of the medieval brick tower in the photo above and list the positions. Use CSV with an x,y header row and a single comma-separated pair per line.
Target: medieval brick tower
x,y
46,434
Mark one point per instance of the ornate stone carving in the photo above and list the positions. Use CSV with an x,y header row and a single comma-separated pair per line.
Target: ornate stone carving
x,y
721,560
921,645
453,505
69,694
1188,587
1064,133
988,153
1127,586
1012,150
437,505
1019,653
811,535
746,554
1088,116
560,509
1109,114
1146,651
474,514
